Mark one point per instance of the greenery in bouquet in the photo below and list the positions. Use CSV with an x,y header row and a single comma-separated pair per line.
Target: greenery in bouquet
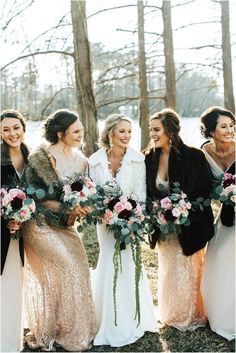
x,y
124,218
15,204
172,211
225,189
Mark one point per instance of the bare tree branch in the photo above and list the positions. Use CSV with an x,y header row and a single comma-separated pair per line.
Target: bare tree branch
x,y
17,14
53,97
195,23
37,53
109,9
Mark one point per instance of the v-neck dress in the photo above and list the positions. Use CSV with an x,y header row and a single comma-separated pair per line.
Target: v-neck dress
x,y
131,178
218,283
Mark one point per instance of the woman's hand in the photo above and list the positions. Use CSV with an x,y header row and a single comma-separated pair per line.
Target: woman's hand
x,y
13,226
78,211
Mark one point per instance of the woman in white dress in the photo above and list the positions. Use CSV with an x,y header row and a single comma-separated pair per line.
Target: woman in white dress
x,y
218,283
115,160
14,155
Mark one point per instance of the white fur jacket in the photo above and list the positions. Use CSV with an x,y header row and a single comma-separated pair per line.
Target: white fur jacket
x,y
131,176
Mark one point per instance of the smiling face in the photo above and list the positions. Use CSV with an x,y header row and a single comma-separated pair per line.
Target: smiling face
x,y
158,135
224,131
12,132
73,135
122,134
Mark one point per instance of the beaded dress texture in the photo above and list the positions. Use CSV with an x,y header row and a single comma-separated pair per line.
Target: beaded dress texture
x,y
58,301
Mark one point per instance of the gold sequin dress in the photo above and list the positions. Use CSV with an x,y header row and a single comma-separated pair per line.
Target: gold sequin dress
x,y
58,298
179,277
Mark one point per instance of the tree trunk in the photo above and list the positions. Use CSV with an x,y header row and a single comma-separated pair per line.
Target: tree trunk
x,y
143,99
169,55
226,56
83,77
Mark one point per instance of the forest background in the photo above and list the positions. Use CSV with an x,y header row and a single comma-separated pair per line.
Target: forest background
x,y
126,56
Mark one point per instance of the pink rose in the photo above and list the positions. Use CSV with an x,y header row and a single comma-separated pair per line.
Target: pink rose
x,y
23,213
6,200
119,207
166,203
107,216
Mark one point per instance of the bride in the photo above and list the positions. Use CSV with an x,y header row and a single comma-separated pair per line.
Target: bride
x,y
115,160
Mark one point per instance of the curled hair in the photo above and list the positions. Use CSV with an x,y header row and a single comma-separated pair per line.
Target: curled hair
x,y
210,117
171,123
109,128
11,113
59,121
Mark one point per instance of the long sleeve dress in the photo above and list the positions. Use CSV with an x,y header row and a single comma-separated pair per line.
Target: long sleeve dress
x,y
218,282
58,297
131,178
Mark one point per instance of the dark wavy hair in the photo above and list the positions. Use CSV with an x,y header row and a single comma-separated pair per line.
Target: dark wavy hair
x,y
59,121
11,113
171,123
210,117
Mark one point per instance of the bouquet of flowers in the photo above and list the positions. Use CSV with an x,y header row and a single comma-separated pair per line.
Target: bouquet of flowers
x,y
16,205
78,191
225,189
124,218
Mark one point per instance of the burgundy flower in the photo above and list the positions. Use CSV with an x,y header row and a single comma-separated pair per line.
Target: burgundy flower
x,y
169,216
133,203
76,186
112,203
16,203
125,214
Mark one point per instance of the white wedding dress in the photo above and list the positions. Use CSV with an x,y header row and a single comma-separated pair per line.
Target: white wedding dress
x,y
131,178
11,300
218,283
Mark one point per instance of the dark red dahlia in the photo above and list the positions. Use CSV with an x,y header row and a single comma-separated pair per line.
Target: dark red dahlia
x,y
169,216
133,203
76,186
16,203
125,214
112,203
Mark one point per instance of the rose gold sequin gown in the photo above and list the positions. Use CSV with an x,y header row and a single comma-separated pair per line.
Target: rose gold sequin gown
x,y
58,299
179,277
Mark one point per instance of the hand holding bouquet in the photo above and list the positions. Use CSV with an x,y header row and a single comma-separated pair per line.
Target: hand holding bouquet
x,y
17,206
170,213
77,193
225,190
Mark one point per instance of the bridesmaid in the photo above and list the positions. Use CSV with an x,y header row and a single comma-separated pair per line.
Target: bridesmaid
x,y
14,156
58,294
218,283
180,258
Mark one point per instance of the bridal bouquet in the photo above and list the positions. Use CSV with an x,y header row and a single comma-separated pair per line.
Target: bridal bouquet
x,y
16,205
225,190
124,218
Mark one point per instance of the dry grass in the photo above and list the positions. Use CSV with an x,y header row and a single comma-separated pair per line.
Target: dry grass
x,y
168,339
